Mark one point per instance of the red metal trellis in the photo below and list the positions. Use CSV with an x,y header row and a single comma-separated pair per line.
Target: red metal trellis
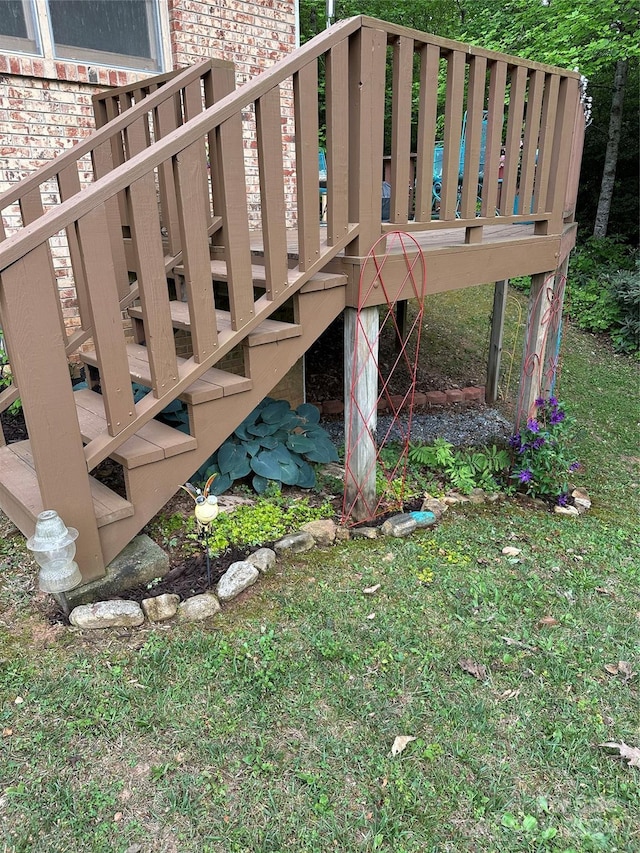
x,y
362,425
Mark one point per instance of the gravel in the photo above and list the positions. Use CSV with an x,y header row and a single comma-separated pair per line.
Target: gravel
x,y
473,427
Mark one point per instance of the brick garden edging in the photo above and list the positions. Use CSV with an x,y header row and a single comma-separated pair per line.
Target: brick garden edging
x,y
471,394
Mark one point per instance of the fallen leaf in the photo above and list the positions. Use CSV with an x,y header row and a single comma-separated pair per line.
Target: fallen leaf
x,y
371,616
477,670
547,622
624,668
118,817
629,753
388,558
18,700
510,694
370,590
7,732
400,743
511,642
611,668
604,591
510,551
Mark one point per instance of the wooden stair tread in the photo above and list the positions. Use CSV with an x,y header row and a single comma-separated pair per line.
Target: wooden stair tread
x,y
267,332
152,442
213,384
324,281
18,478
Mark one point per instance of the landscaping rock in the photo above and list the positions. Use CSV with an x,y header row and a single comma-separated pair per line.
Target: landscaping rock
x,y
581,500
161,607
431,504
454,498
399,525
364,532
566,510
424,518
477,496
107,614
343,534
198,607
136,565
237,578
263,559
323,531
296,543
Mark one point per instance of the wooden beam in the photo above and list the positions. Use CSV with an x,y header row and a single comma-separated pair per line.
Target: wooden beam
x,y
495,342
361,330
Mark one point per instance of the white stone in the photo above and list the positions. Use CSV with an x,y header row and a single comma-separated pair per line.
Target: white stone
x,y
263,559
295,542
198,607
161,607
566,510
438,508
364,533
323,531
237,578
107,614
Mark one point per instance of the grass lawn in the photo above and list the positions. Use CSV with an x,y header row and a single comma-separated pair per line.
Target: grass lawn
x,y
271,727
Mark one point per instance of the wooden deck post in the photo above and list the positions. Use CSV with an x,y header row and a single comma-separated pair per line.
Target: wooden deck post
x,y
495,341
535,341
554,335
29,308
361,331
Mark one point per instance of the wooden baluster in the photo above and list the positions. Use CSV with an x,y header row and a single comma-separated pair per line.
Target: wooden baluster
x,y
105,319
118,157
495,120
220,81
305,89
530,144
473,137
69,185
545,145
193,106
166,119
233,199
190,195
452,133
427,115
513,139
102,158
337,106
367,63
28,304
269,129
401,129
149,257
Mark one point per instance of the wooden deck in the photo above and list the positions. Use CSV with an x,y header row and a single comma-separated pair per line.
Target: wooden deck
x,y
162,237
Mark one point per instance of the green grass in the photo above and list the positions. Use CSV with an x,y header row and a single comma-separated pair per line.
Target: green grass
x,y
270,728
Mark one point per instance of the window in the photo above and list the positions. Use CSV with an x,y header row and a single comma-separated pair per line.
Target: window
x,y
120,33
17,27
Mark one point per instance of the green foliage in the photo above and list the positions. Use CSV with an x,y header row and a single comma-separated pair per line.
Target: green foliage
x,y
272,445
5,377
464,470
542,458
270,518
603,293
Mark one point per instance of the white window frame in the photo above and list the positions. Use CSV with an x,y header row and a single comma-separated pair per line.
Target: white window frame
x,y
46,47
15,44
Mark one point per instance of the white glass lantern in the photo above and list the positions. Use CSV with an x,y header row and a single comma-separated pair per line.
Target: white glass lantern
x,y
54,546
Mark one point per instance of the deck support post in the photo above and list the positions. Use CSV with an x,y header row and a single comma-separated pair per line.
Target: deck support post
x,y
535,344
554,335
361,330
495,341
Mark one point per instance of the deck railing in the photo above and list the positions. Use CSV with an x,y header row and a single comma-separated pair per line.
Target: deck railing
x,y
167,188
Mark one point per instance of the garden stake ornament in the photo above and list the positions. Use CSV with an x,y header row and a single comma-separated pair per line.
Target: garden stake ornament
x,y
206,510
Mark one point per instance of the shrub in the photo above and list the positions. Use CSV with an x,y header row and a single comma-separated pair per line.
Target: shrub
x,y
625,288
465,470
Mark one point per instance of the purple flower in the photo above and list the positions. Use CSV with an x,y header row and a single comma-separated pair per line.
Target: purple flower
x,y
540,402
562,499
515,440
557,416
575,466
525,476
533,425
537,444
553,401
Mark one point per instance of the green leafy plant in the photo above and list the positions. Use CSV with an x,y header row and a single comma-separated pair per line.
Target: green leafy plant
x,y
541,453
5,377
274,444
465,470
268,519
625,288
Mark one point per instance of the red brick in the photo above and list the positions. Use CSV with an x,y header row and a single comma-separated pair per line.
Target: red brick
x,y
474,393
419,399
396,401
332,407
454,395
383,406
436,398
